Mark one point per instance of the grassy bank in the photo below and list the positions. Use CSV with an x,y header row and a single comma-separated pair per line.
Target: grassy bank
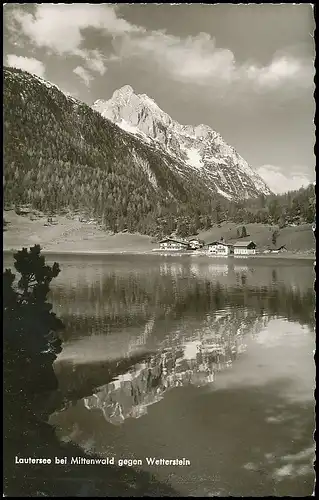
x,y
295,238
72,236
68,236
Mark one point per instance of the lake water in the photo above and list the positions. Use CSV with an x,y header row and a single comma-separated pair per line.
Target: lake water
x,y
194,358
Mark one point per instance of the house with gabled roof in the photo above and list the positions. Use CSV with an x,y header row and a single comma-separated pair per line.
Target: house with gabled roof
x,y
173,244
245,248
219,248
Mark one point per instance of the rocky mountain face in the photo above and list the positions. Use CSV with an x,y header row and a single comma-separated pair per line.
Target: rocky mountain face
x,y
196,148
125,163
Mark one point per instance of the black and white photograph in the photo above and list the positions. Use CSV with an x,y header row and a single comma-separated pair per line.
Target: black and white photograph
x,y
159,235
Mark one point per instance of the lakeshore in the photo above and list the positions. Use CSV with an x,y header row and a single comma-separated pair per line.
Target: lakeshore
x,y
283,255
76,237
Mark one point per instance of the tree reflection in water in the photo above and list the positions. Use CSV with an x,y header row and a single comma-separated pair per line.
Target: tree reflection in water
x,y
132,336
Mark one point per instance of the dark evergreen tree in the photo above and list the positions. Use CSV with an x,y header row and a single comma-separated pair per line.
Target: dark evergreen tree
x,y
30,328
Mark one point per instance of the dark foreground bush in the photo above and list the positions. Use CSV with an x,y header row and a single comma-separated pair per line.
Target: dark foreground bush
x,y
30,343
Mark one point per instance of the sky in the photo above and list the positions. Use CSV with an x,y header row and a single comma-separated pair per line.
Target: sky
x,y
245,70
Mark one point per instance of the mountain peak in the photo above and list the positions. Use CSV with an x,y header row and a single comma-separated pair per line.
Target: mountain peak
x,y
199,148
123,94
129,179
148,100
128,109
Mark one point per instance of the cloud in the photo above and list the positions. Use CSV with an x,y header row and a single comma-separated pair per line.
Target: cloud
x,y
60,28
282,69
197,59
94,61
188,59
279,182
29,64
84,75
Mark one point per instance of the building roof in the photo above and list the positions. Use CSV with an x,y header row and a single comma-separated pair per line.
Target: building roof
x,y
220,243
174,240
243,244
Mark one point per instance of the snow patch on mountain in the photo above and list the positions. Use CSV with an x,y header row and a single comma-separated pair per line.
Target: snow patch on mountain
x,y
225,195
193,148
127,127
194,158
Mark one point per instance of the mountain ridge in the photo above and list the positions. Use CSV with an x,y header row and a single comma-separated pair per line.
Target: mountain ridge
x,y
197,146
62,155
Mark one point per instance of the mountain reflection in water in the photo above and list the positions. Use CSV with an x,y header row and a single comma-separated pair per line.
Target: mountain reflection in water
x,y
217,359
193,360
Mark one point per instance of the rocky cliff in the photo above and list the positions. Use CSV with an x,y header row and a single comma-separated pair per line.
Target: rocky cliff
x,y
197,148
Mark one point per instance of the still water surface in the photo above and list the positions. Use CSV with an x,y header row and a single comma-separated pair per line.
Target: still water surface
x,y
195,358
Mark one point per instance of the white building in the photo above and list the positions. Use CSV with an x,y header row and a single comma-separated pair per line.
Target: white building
x,y
173,244
244,248
195,244
219,248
